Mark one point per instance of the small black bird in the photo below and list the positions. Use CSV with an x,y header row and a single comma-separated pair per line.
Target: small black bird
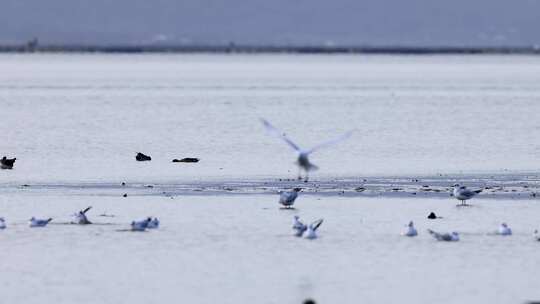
x,y
7,163
432,216
142,157
186,160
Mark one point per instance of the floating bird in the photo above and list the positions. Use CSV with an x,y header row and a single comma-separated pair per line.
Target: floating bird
x,y
311,232
462,193
39,222
504,230
298,227
7,163
81,218
2,223
142,157
152,223
536,235
303,160
287,198
186,160
432,216
140,225
409,230
447,237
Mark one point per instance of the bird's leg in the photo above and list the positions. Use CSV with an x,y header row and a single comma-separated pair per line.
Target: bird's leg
x,y
299,173
307,177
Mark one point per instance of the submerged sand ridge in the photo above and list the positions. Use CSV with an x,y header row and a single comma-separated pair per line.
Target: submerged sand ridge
x,y
493,186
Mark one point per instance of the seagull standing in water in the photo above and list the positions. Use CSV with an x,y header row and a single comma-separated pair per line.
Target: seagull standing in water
x,y
298,227
287,198
39,222
462,193
152,223
446,237
311,232
409,230
504,230
81,218
303,160
2,223
140,225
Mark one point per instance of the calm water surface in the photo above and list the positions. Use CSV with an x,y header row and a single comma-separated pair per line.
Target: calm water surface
x,y
83,117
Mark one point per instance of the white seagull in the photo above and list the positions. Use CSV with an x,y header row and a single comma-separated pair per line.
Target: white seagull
x,y
462,193
303,160
446,237
2,223
311,232
287,198
504,229
152,223
298,227
409,230
81,219
39,222
140,225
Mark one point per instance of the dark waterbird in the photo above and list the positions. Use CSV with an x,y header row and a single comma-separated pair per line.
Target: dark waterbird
x,y
186,160
432,216
142,157
7,163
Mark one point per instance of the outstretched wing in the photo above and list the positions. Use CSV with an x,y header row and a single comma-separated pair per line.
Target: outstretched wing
x,y
316,224
330,142
435,234
86,210
279,134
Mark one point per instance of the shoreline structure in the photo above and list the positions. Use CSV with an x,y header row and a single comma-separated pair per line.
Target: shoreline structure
x,y
34,47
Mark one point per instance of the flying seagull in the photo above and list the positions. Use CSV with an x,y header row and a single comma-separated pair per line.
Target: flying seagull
x,y
303,160
462,193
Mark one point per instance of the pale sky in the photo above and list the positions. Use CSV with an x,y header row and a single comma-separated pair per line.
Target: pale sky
x,y
274,22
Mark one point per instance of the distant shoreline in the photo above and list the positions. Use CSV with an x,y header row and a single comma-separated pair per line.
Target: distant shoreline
x,y
248,49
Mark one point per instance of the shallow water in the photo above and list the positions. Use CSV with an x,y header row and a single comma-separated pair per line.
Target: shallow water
x,y
239,249
83,117
423,123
